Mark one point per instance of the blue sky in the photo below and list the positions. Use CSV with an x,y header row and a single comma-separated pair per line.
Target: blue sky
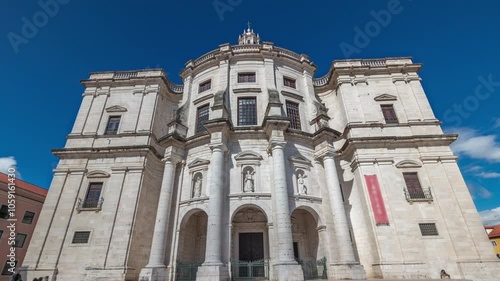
x,y
40,68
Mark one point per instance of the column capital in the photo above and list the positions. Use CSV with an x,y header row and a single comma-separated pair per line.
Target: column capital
x,y
218,147
174,159
326,153
273,144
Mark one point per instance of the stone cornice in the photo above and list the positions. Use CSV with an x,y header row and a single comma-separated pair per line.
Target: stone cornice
x,y
93,152
351,126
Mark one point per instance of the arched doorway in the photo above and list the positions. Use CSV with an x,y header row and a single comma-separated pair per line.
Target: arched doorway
x,y
192,244
309,249
249,247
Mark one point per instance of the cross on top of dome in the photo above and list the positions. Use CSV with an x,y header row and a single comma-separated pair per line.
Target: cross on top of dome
x,y
248,37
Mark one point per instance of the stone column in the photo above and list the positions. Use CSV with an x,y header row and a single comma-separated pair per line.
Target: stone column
x,y
156,269
285,267
213,269
213,255
346,252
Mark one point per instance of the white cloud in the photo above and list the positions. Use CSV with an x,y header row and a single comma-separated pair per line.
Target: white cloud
x,y
475,145
479,191
497,123
491,217
489,175
473,169
6,163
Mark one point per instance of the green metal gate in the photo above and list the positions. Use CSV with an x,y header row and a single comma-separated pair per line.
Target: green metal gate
x,y
253,270
186,271
314,269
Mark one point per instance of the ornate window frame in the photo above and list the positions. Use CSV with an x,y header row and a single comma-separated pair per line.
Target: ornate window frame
x,y
413,166
253,160
95,176
198,166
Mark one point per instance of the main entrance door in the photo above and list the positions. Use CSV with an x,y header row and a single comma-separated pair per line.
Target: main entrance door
x,y
251,246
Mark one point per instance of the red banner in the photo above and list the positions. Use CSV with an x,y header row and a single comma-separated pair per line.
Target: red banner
x,y
377,201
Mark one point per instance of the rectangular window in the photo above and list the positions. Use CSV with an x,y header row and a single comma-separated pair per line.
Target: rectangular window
x,y
6,267
112,127
93,195
20,238
246,77
289,82
494,243
201,118
292,111
81,237
389,114
4,212
1,234
428,229
28,217
413,186
205,86
247,111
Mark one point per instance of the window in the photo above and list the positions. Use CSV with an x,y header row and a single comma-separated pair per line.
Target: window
x,y
247,111
93,195
289,82
494,243
7,269
28,217
292,111
205,86
81,237
20,238
201,118
428,229
246,77
4,212
389,114
413,187
1,234
112,127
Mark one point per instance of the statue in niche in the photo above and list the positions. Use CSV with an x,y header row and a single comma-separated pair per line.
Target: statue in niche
x,y
197,186
301,184
248,182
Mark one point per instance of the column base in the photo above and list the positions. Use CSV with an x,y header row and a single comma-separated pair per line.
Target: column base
x,y
288,272
354,271
154,274
212,273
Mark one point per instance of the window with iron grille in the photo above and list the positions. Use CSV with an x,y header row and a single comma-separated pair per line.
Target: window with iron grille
x,y
6,267
20,239
292,111
413,186
389,114
246,77
81,237
201,118
247,111
205,86
93,195
289,82
28,217
112,126
4,212
428,229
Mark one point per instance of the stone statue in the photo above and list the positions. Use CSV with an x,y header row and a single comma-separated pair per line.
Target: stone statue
x,y
301,184
249,186
197,187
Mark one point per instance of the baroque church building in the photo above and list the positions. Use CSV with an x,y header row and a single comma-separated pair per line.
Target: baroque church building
x,y
253,169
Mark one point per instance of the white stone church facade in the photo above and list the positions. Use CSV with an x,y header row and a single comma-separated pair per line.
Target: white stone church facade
x,y
254,169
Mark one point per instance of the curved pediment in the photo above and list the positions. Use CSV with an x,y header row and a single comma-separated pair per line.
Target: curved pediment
x,y
247,155
408,164
98,174
385,97
116,108
198,162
